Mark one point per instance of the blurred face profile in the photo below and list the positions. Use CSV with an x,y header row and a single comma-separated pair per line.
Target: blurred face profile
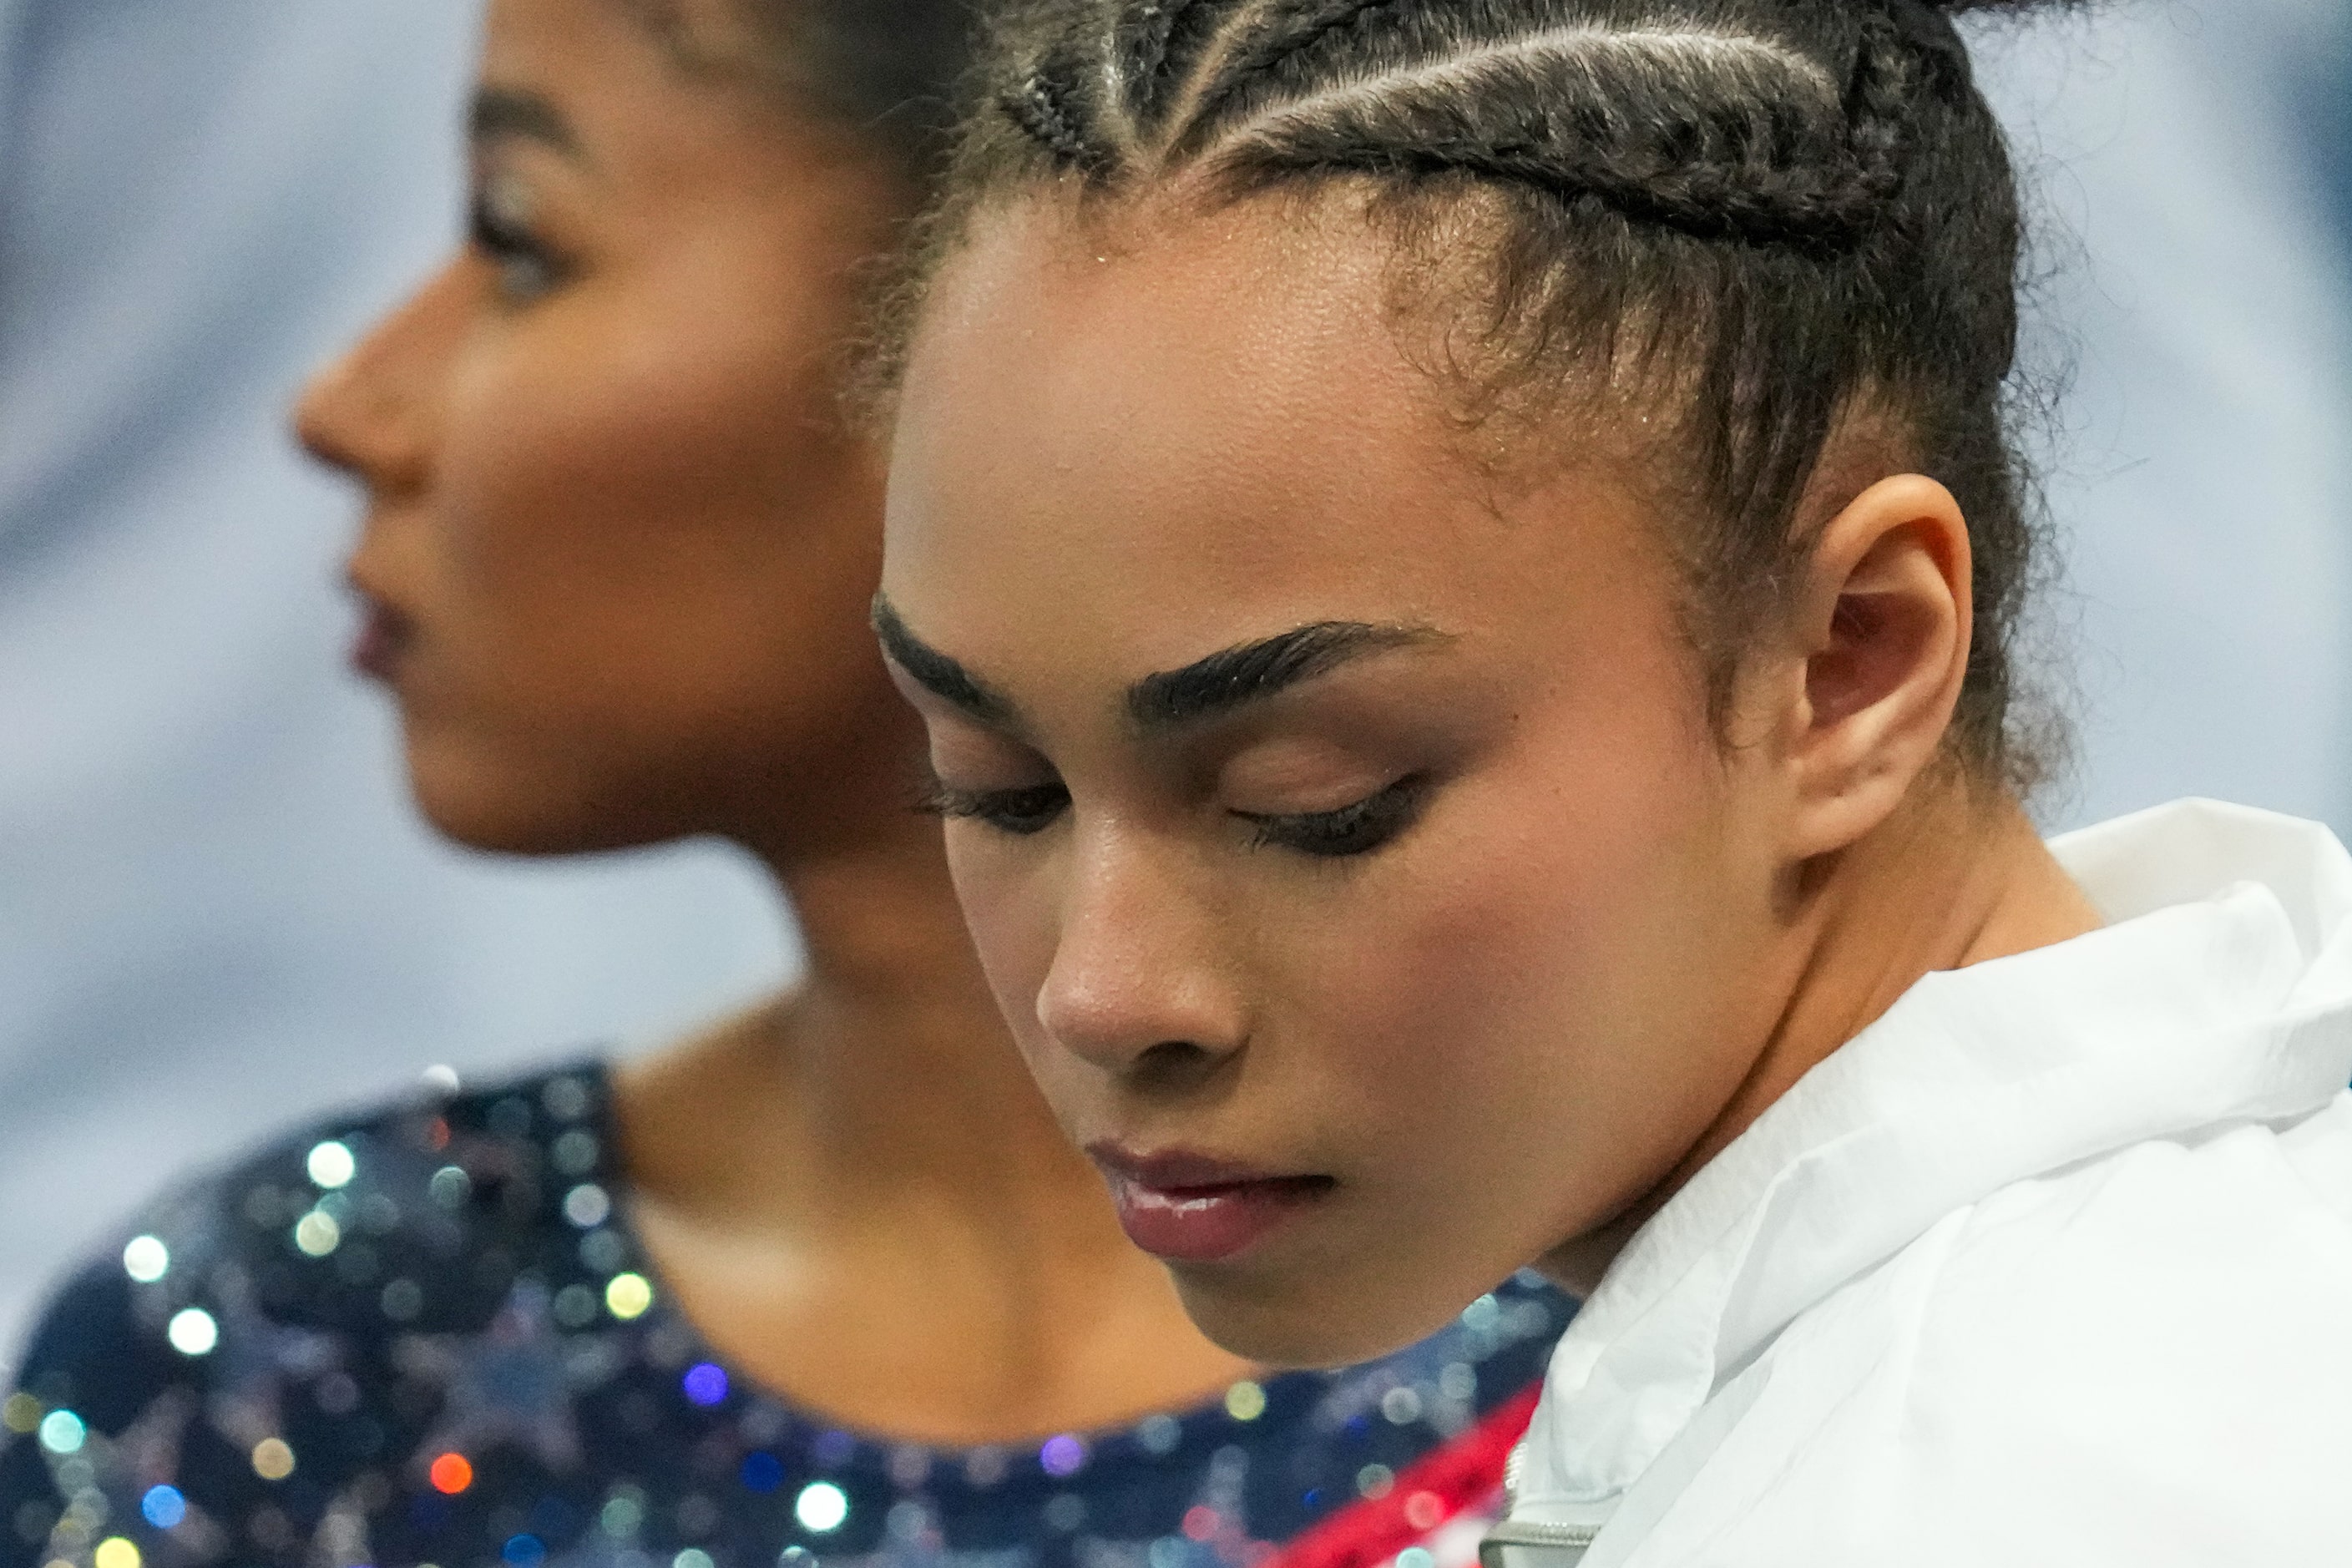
x,y
1337,813
618,546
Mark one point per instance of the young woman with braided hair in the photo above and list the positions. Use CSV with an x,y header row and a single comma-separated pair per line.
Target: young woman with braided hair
x,y
1460,562
825,1279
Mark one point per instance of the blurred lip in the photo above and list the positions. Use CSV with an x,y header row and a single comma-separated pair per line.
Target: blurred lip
x,y
1195,1208
384,638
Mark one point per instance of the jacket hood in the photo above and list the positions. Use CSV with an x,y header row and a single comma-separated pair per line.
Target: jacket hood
x,y
2221,992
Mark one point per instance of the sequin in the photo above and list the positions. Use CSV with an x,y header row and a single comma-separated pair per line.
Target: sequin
x,y
761,1471
62,1432
603,1251
822,1507
330,1164
626,1296
192,1331
623,1515
586,1205
1159,1434
705,1382
464,1312
146,1259
574,1154
566,1099
450,1187
317,1233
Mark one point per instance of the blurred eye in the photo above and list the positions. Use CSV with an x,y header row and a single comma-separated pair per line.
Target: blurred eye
x,y
498,227
1021,812
1357,828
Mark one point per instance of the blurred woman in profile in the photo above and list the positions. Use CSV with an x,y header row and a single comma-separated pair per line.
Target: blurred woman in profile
x,y
826,1278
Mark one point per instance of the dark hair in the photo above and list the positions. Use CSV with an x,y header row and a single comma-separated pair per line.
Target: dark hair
x,y
1797,217
884,71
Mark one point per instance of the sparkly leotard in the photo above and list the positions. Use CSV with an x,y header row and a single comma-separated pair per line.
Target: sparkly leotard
x,y
428,1335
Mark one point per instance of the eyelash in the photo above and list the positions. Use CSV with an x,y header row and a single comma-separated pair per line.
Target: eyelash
x,y
1357,828
527,268
1020,812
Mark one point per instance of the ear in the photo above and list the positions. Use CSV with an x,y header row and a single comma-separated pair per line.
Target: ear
x,y
1881,632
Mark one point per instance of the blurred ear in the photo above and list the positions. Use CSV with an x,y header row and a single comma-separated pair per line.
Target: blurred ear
x,y
1880,634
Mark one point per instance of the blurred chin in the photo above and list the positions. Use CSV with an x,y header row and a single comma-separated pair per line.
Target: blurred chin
x,y
476,804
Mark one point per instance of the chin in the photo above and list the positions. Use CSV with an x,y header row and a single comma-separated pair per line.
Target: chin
x,y
1328,1321
490,810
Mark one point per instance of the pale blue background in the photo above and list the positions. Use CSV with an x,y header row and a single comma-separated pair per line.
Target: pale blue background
x,y
215,908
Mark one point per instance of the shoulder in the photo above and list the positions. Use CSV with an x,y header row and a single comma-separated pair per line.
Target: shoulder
x,y
298,1266
2143,1358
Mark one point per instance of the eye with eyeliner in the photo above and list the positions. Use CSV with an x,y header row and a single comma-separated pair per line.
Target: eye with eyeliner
x,y
1023,811
1359,828
498,227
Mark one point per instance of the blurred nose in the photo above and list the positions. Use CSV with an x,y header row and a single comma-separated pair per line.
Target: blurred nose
x,y
371,412
1136,986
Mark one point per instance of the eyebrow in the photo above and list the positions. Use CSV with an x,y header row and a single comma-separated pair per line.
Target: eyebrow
x,y
1227,679
1251,672
510,113
935,672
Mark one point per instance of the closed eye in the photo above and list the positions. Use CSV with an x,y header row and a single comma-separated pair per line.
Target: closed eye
x,y
1357,828
1021,812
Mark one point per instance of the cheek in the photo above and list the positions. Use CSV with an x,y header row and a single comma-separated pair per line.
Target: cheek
x,y
1525,1000
1010,912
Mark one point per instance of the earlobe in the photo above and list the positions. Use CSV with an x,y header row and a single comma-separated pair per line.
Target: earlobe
x,y
1882,625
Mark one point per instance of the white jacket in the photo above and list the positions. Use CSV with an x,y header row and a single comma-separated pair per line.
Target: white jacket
x,y
2051,1265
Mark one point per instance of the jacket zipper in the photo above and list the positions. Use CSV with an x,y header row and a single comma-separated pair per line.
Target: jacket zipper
x,y
1570,1540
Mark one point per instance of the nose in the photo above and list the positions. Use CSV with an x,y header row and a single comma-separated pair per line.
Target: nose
x,y
371,412
1138,986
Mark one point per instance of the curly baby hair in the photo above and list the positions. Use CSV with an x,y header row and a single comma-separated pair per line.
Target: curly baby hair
x,y
1791,226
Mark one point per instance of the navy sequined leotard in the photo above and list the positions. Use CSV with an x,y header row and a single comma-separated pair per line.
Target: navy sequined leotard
x,y
428,1336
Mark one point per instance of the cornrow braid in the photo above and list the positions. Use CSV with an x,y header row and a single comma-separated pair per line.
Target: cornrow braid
x,y
1046,104
1783,218
1275,48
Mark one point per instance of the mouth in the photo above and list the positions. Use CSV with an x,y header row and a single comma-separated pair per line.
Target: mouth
x,y
383,639
1191,1208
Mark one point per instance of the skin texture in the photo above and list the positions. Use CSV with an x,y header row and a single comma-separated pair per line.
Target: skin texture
x,y
1603,937
616,564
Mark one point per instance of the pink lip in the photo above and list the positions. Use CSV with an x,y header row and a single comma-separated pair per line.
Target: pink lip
x,y
383,640
1190,1208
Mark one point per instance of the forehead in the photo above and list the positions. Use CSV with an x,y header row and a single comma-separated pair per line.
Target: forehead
x,y
639,76
1159,432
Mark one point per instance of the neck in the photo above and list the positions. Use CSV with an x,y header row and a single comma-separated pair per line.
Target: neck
x,y
885,1076
1959,878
